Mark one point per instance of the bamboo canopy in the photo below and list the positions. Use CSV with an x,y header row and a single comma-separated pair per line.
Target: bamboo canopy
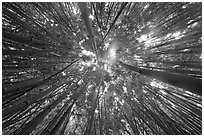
x,y
101,68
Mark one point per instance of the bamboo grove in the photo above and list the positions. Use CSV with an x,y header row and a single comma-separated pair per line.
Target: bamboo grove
x,y
110,68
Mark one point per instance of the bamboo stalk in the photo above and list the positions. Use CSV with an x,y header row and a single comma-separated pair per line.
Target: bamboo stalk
x,y
186,82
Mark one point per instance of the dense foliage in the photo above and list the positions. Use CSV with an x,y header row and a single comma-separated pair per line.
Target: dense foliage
x,y
101,68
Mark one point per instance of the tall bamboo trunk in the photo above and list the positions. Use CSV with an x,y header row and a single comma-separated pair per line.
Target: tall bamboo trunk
x,y
182,81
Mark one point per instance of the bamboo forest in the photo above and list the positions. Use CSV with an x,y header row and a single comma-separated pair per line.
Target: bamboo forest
x,y
101,68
